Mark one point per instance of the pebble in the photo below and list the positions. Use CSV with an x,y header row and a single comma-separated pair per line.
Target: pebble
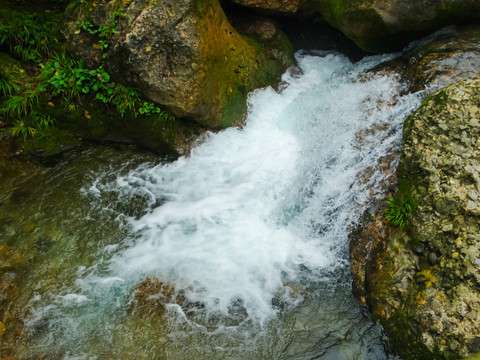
x,y
471,205
448,227
432,258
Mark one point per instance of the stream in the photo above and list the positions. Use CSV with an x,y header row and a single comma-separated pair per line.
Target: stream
x,y
239,251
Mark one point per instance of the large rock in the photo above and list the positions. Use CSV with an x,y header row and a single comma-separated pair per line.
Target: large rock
x,y
442,59
385,25
273,6
422,282
183,55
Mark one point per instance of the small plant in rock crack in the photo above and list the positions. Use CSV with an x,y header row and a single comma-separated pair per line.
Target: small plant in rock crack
x,y
399,210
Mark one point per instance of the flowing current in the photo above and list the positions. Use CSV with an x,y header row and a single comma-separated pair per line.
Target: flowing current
x,y
239,251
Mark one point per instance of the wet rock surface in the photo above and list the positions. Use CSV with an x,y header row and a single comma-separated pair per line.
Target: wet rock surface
x,y
444,58
422,282
383,25
183,55
275,6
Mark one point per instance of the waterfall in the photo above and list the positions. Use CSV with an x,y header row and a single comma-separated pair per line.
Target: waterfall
x,y
250,232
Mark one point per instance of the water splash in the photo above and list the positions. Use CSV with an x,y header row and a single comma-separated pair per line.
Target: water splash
x,y
250,229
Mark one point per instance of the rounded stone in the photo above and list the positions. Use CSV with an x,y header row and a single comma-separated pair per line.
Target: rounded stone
x,y
432,258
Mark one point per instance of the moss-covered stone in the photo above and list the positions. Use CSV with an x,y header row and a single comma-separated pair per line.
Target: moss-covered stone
x,y
383,25
54,142
422,282
183,55
283,7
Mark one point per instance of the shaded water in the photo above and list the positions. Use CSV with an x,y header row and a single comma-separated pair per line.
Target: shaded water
x,y
250,233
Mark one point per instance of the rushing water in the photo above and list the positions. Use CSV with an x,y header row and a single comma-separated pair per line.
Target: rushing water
x,y
248,235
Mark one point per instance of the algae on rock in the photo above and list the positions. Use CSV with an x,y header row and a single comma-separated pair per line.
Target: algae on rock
x,y
423,282
385,25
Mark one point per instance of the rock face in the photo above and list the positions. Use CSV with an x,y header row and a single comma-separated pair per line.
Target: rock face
x,y
276,6
442,59
384,25
423,281
183,55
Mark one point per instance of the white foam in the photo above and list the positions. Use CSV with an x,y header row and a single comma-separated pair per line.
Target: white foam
x,y
251,207
254,210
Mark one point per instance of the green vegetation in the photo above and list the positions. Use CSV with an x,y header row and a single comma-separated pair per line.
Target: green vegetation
x,y
17,106
32,125
8,83
53,74
64,76
105,32
29,37
399,211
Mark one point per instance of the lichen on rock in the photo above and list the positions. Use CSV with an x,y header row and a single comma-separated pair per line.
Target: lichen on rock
x,y
423,282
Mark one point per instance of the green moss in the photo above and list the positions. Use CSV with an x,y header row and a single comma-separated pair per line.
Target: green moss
x,y
234,66
202,7
54,143
458,10
7,62
158,134
333,10
233,105
474,357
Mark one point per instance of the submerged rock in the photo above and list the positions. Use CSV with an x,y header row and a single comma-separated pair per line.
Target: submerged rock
x,y
151,296
385,25
422,282
183,55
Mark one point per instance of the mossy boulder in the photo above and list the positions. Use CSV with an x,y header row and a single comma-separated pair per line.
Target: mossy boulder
x,y
385,25
284,7
422,281
183,55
